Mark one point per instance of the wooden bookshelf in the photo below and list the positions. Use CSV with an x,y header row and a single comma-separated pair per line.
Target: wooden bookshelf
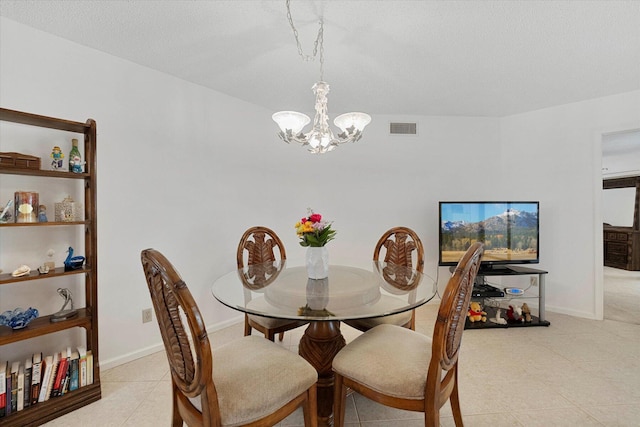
x,y
87,317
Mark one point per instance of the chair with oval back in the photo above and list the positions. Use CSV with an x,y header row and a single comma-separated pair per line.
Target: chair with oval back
x,y
424,375
237,392
256,249
401,247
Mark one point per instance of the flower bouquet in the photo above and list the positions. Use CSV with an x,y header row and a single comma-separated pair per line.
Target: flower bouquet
x,y
314,234
314,231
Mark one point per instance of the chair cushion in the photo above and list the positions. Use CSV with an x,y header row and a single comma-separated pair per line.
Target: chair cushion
x,y
399,319
388,359
269,322
254,377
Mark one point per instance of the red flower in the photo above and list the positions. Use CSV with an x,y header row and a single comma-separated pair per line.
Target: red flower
x,y
315,218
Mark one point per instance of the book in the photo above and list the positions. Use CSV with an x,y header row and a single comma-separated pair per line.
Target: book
x,y
82,367
57,382
20,397
15,367
36,376
47,366
89,367
73,371
67,374
4,365
52,378
28,368
7,406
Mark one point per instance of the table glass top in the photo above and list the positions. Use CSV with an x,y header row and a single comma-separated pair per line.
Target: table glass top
x,y
276,290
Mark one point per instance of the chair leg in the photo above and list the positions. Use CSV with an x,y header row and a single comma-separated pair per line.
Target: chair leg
x,y
310,408
247,327
176,419
339,397
455,402
280,336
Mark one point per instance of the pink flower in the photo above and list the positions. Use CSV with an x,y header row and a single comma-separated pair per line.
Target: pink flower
x,y
315,218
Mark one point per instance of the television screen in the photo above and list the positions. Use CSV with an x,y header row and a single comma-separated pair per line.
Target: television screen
x,y
509,231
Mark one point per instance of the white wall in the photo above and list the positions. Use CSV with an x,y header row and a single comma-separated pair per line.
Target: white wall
x,y
618,205
186,170
554,155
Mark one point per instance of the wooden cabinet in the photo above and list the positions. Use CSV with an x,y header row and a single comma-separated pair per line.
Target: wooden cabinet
x,y
622,244
87,317
622,248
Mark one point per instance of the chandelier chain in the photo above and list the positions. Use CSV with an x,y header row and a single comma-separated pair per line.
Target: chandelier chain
x,y
319,41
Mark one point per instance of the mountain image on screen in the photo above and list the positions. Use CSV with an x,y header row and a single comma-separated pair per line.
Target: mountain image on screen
x,y
509,236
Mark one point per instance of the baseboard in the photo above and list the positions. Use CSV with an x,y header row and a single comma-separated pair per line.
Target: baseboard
x,y
125,358
574,313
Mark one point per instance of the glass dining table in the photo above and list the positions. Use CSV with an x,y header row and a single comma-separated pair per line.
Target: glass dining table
x,y
278,291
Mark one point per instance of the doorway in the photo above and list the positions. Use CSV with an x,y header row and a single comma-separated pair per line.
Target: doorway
x,y
621,288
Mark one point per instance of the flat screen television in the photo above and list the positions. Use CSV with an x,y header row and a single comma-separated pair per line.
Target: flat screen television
x,y
509,230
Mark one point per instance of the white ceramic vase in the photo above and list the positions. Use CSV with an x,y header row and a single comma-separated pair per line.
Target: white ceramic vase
x,y
317,262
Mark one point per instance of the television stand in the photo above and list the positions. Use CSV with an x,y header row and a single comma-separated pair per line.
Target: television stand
x,y
506,271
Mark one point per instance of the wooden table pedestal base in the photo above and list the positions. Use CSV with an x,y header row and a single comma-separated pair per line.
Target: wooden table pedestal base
x,y
321,341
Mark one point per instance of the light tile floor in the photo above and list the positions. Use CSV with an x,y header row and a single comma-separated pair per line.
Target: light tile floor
x,y
576,372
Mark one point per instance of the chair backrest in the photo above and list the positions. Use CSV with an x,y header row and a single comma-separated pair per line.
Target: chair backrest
x,y
400,244
259,242
447,332
183,332
256,251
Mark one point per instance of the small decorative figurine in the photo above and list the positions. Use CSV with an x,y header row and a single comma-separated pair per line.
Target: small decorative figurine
x,y
73,262
50,265
42,213
56,158
64,314
76,165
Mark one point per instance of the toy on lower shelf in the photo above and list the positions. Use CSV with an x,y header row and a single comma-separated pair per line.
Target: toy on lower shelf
x,y
498,319
514,315
475,313
526,312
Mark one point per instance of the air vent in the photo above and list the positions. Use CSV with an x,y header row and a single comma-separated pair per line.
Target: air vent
x,y
402,128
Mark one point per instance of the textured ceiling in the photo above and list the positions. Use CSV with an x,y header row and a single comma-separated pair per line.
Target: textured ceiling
x,y
471,58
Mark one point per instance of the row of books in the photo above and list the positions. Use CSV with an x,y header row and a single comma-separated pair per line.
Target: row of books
x,y
40,378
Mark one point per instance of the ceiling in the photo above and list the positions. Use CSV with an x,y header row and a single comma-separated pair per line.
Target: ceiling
x,y
461,58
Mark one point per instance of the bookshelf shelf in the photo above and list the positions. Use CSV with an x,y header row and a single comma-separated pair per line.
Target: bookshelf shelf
x,y
54,407
34,275
43,325
87,317
45,173
42,224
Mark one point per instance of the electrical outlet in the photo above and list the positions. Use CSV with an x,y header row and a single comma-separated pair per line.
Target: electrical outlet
x,y
147,315
534,281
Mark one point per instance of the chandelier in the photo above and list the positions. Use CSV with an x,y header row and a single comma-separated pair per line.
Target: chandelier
x,y
320,139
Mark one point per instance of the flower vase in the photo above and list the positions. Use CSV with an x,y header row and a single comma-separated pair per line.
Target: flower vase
x,y
317,262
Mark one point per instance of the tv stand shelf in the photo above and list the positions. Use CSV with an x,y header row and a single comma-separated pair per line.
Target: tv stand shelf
x,y
511,270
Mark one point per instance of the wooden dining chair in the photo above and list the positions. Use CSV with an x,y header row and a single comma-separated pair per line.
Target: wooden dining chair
x,y
256,247
401,246
404,369
231,385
